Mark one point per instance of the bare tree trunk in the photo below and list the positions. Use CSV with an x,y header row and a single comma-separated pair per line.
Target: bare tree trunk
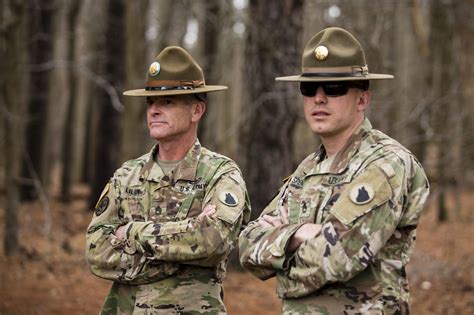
x,y
421,129
266,143
68,147
135,131
91,36
12,111
465,32
35,166
173,17
210,24
108,135
443,85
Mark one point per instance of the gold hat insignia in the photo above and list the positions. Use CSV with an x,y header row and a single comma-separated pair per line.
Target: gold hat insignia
x,y
154,68
321,53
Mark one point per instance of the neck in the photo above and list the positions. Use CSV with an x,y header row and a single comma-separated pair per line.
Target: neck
x,y
333,144
175,150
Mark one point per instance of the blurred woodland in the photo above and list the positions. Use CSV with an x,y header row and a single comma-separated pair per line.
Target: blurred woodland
x,y
64,64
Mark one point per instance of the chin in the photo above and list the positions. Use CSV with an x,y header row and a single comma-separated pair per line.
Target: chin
x,y
318,130
155,136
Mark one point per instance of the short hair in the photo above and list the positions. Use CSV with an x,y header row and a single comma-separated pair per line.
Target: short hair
x,y
202,97
363,84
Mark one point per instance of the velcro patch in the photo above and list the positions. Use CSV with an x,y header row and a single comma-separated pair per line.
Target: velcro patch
x,y
228,198
365,192
104,192
101,206
362,194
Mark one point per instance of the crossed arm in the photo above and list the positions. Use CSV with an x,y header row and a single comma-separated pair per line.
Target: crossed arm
x,y
141,252
303,233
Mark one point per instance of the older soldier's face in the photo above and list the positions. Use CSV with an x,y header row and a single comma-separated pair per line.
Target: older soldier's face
x,y
335,116
171,117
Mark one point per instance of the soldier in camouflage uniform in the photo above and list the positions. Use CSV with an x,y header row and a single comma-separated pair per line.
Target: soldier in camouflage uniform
x,y
166,222
341,230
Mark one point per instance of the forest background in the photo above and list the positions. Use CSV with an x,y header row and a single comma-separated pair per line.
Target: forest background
x,y
65,126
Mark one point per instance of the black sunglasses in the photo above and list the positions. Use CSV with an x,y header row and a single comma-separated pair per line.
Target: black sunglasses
x,y
331,89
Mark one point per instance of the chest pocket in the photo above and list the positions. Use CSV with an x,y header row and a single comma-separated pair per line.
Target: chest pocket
x,y
366,192
135,202
192,200
195,199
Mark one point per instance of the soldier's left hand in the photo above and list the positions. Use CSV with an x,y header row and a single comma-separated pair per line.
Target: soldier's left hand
x,y
269,221
208,211
121,231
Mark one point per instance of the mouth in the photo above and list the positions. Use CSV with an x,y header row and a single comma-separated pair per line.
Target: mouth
x,y
155,123
319,113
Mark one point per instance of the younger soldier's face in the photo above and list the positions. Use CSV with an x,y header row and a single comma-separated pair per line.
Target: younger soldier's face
x,y
335,116
171,117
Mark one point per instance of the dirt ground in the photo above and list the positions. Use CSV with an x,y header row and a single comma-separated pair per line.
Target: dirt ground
x,y
50,276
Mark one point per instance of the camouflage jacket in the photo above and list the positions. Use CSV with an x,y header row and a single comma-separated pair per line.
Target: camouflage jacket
x,y
368,202
170,262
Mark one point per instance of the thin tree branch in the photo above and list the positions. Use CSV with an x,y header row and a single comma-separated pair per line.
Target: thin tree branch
x,y
97,79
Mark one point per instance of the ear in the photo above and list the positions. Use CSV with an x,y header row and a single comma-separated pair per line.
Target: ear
x,y
364,100
198,111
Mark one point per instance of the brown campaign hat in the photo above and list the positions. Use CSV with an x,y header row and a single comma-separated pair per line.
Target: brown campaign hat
x,y
334,54
174,72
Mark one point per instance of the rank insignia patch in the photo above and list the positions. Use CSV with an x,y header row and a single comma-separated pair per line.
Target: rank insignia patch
x,y
228,198
362,194
101,206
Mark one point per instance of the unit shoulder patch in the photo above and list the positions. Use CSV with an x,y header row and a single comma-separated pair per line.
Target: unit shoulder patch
x,y
229,198
361,194
367,191
101,206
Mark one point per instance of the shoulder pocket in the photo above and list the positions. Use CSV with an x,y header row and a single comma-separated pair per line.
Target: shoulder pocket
x,y
366,192
229,197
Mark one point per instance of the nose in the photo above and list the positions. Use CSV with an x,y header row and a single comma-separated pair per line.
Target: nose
x,y
320,97
153,108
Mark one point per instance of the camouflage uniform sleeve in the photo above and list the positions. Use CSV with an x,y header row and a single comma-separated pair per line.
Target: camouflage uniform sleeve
x,y
263,250
354,233
194,241
107,255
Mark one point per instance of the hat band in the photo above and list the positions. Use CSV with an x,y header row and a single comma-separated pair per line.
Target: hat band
x,y
162,85
350,71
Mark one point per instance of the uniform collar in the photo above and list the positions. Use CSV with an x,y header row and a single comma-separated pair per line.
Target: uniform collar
x,y
344,156
185,170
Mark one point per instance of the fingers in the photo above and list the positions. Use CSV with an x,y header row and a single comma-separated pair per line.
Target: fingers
x,y
264,224
269,221
284,215
120,232
208,211
305,232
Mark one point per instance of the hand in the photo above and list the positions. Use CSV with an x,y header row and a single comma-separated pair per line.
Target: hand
x,y
208,211
268,221
305,232
121,232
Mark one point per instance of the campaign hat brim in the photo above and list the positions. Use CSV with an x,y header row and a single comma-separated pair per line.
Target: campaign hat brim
x,y
203,89
300,78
